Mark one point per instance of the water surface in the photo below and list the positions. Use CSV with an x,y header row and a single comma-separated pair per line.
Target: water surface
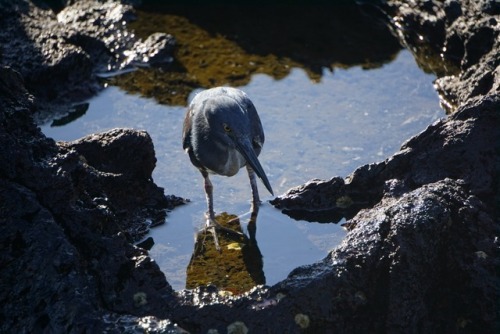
x,y
313,130
333,91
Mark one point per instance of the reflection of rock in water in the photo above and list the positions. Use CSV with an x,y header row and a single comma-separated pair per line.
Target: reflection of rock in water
x,y
237,268
222,45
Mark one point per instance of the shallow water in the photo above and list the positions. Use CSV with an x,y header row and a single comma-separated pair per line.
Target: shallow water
x,y
313,130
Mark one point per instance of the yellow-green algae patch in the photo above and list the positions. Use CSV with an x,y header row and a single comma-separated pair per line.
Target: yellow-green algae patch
x,y
202,59
226,45
238,266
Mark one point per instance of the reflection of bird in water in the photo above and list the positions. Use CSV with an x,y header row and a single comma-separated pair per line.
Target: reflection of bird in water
x,y
237,269
222,133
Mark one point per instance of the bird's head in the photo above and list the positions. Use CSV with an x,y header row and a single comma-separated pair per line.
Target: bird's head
x,y
233,129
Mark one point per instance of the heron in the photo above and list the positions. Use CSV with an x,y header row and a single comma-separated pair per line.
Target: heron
x,y
222,133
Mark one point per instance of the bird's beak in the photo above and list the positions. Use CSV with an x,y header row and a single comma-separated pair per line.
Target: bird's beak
x,y
246,150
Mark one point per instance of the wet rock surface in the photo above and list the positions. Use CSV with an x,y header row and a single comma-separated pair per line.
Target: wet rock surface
x,y
422,251
411,262
461,36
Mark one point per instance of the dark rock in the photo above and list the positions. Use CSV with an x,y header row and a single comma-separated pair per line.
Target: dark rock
x,y
452,10
491,7
461,37
454,48
429,6
42,286
113,170
132,152
483,84
65,257
156,50
424,260
426,24
479,44
59,55
146,244
422,251
318,200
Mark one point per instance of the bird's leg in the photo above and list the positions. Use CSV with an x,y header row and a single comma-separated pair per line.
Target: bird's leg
x,y
252,223
255,191
209,195
212,223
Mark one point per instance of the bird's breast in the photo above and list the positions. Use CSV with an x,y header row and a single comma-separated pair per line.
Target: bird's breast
x,y
233,163
218,158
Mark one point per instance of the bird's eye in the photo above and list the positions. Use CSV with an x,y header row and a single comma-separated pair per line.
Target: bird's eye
x,y
226,127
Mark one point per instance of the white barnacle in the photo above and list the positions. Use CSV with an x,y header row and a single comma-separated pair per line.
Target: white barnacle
x,y
302,320
237,327
140,299
481,255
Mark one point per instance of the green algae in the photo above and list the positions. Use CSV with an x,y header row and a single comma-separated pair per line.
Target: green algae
x,y
237,268
226,45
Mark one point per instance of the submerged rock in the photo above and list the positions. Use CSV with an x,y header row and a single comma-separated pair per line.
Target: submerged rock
x,y
223,45
235,267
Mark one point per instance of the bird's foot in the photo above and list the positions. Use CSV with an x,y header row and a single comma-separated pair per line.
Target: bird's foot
x,y
212,225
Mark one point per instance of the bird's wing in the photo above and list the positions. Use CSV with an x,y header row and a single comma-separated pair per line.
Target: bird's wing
x,y
256,126
247,105
186,130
